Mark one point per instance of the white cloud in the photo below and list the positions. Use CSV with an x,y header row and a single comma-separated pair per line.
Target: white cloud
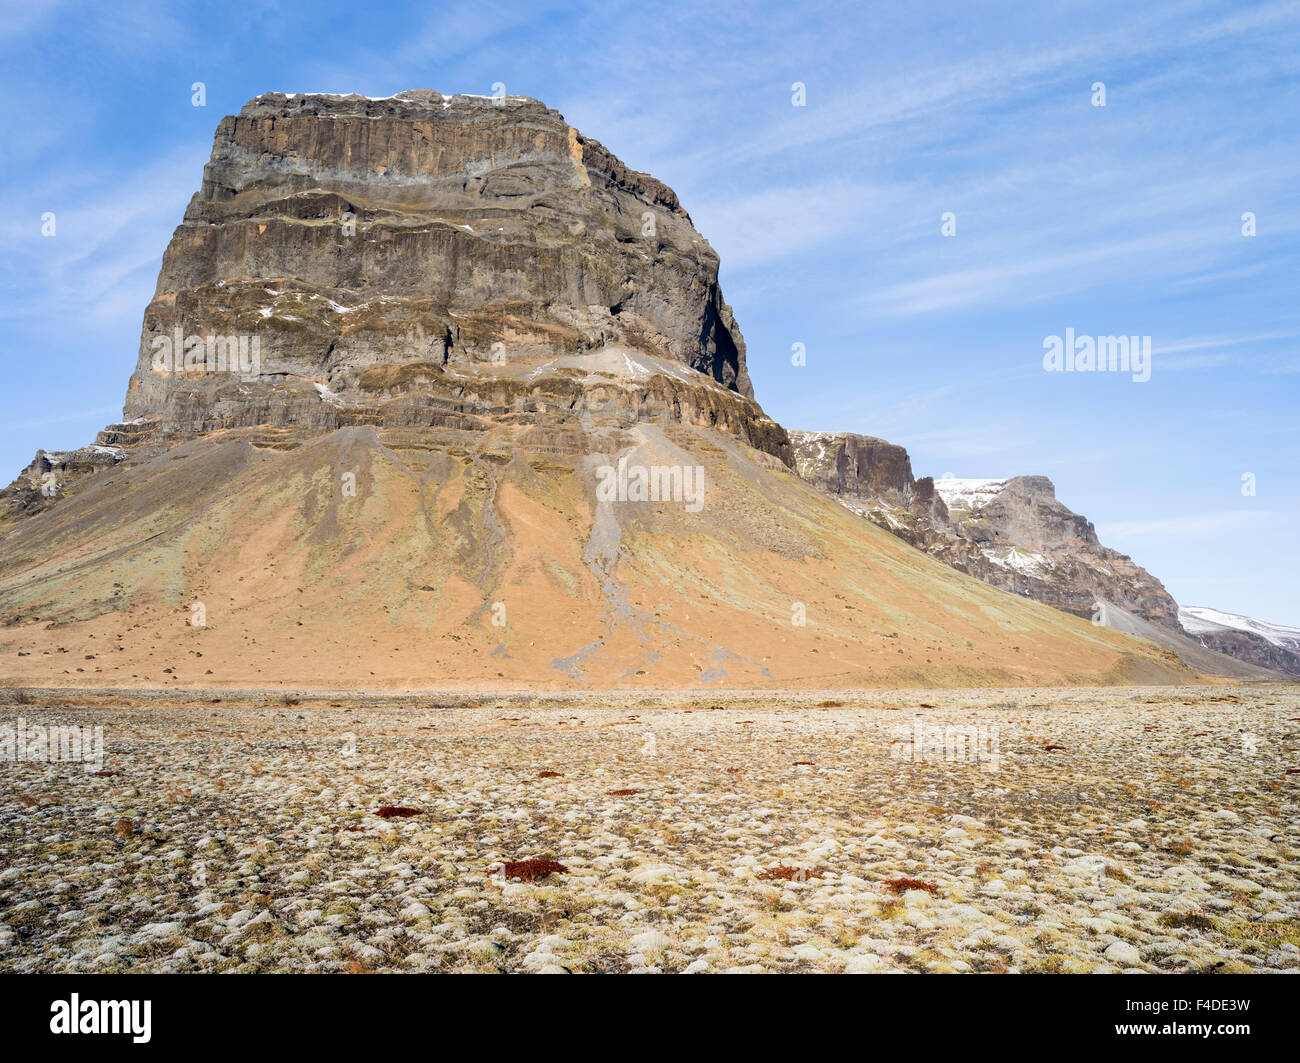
x,y
776,223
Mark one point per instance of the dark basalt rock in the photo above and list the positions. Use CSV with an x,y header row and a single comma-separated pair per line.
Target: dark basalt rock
x,y
436,260
864,467
457,262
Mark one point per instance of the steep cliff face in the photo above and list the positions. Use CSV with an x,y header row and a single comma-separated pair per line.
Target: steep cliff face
x,y
841,463
1022,510
431,260
1029,543
1012,533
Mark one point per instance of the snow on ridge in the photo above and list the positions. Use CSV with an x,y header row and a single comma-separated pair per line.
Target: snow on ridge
x,y
58,457
960,493
1200,620
403,96
1022,561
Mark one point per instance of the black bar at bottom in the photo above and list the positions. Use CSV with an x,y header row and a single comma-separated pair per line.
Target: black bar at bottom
x,y
348,1012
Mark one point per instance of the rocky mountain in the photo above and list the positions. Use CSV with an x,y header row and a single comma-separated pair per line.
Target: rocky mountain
x,y
482,245
1269,645
1014,534
869,471
434,392
1034,545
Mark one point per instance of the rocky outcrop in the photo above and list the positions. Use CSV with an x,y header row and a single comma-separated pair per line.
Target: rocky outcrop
x,y
1022,510
1028,542
1012,533
53,474
1245,646
432,260
856,466
1015,534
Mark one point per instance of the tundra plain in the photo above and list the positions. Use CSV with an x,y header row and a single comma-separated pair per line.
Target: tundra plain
x,y
1148,829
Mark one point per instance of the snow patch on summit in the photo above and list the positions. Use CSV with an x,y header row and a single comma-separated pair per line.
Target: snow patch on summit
x,y
958,493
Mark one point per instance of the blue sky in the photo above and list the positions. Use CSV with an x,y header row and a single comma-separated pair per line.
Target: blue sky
x,y
1123,219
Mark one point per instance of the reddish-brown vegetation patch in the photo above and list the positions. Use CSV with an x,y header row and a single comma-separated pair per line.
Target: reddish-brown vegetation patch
x,y
899,885
531,870
550,775
786,873
389,811
621,793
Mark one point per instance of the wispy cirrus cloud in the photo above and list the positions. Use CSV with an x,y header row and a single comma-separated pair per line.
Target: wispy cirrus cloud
x,y
1191,525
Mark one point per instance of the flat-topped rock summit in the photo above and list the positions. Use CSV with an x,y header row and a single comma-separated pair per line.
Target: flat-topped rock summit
x,y
433,260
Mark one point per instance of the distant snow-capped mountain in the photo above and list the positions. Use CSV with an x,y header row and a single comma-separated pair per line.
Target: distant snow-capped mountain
x,y
1273,645
1197,619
